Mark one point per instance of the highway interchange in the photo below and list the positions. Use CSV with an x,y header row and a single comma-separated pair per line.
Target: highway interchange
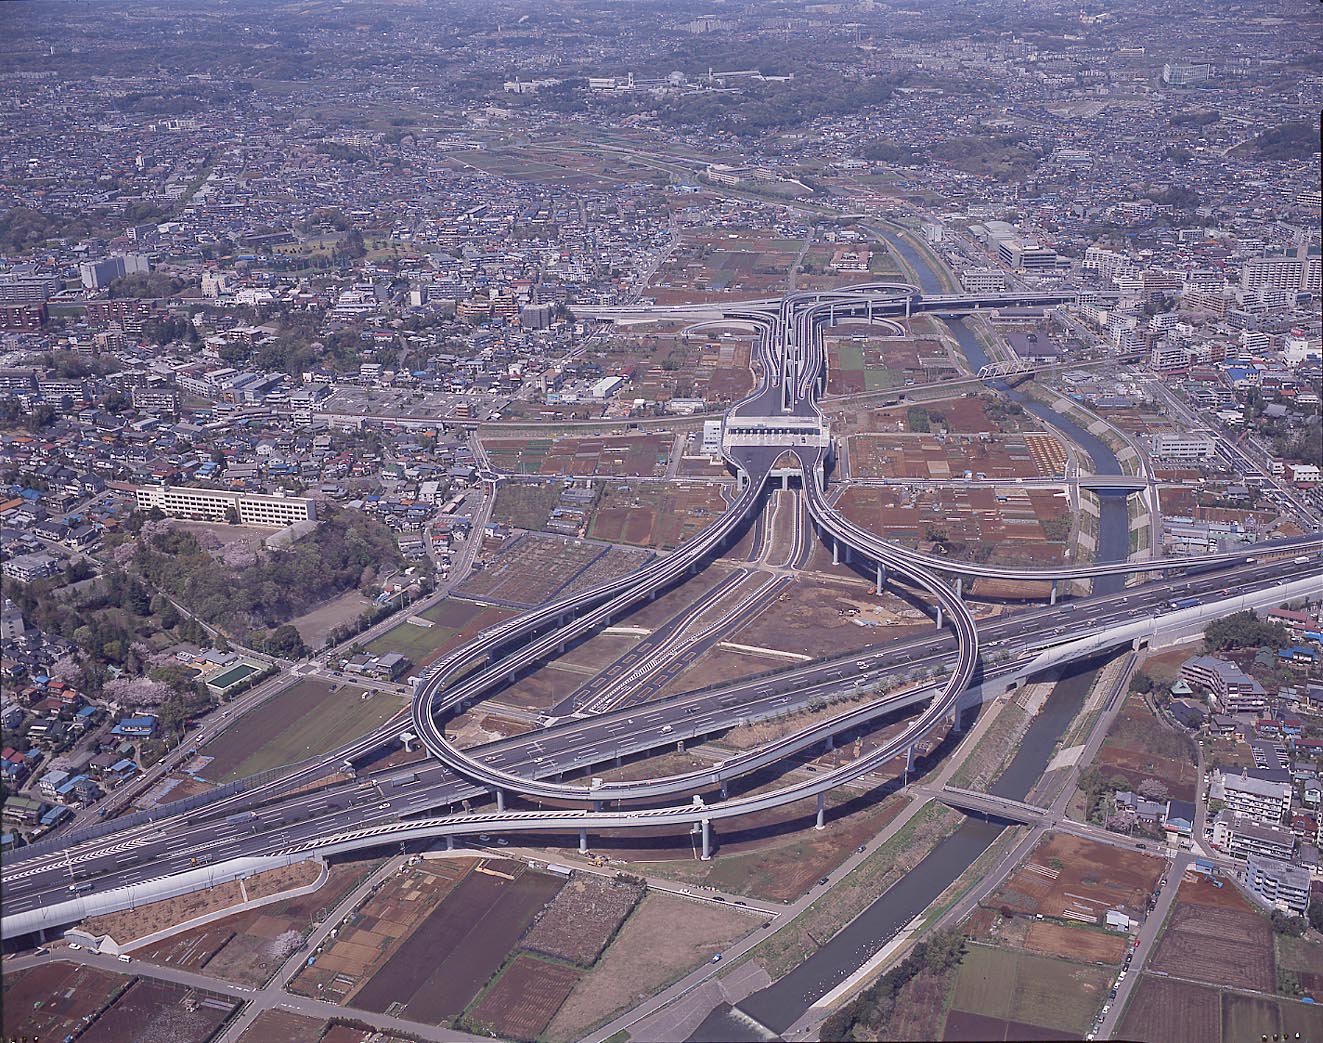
x,y
417,801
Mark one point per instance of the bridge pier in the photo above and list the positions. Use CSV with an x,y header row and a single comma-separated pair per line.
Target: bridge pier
x,y
1054,593
707,839
785,481
583,841
909,761
829,743
822,812
960,586
881,578
500,800
835,553
939,616
450,842
957,722
725,789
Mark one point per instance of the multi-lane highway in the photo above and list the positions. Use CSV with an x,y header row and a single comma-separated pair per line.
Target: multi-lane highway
x,y
417,801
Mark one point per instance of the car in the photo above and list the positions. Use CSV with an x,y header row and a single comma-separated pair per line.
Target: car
x,y
501,841
717,898
74,946
716,957
484,838
1106,1007
741,903
860,849
825,881
384,806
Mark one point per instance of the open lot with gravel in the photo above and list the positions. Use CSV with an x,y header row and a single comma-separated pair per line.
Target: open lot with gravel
x,y
583,918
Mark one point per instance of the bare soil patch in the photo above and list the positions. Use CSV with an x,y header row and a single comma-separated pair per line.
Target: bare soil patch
x,y
524,998
581,921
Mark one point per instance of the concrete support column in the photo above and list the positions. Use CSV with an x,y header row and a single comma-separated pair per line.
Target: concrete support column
x,y
960,586
939,616
822,812
881,578
583,841
617,760
597,805
450,842
1054,592
707,839
560,648
909,300
835,553
848,553
909,759
725,789
830,743
500,800
785,481
957,722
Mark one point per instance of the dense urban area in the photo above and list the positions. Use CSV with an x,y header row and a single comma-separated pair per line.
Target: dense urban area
x,y
478,481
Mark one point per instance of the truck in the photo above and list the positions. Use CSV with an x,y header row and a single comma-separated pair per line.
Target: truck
x,y
243,816
1185,603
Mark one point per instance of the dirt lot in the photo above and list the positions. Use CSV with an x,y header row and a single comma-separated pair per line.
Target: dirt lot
x,y
581,921
530,568
315,625
524,998
446,960
151,1011
129,924
664,939
304,720
1217,945
51,1001
1075,943
1071,878
1141,746
1029,990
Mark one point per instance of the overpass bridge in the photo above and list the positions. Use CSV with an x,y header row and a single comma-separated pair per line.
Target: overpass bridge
x,y
991,805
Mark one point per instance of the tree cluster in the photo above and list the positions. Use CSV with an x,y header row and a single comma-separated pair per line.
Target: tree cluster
x,y
1244,630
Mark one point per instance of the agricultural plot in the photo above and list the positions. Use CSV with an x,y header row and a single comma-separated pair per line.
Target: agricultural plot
x,y
522,505
372,934
523,1000
859,360
1029,996
448,957
712,366
616,562
1070,878
656,514
304,720
716,264
1163,1009
52,1000
282,1026
927,457
613,456
1216,944
1007,525
581,921
150,1010
530,569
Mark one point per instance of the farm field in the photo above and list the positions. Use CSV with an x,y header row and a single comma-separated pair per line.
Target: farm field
x,y
1217,939
372,933
447,958
581,921
524,998
282,1026
926,457
656,514
150,1010
664,939
712,366
315,625
1162,1010
304,720
50,1001
859,360
1011,525
534,568
1070,878
1024,995
725,263
241,948
453,620
624,456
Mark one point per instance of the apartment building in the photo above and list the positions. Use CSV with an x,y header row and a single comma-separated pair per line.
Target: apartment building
x,y
1234,690
1277,883
217,505
1241,836
1255,798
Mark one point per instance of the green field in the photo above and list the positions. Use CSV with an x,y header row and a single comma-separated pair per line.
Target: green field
x,y
879,378
1033,990
302,721
410,640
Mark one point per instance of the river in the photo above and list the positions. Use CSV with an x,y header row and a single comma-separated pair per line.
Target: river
x,y
782,1003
